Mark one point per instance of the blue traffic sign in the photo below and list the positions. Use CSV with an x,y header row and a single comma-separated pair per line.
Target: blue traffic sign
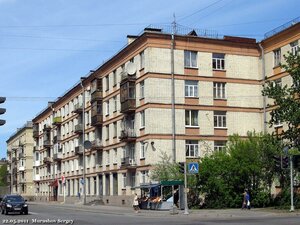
x,y
193,167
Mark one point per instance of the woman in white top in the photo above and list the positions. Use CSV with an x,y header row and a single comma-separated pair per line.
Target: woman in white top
x,y
136,203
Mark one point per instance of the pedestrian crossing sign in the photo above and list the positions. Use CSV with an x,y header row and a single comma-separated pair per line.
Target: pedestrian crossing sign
x,y
193,167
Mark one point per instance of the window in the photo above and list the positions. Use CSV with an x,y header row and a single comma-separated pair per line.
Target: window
x,y
107,108
124,178
191,149
219,145
142,119
277,82
142,153
191,88
142,94
107,82
107,158
115,129
219,90
218,61
219,119
277,57
142,59
190,59
191,118
114,78
294,47
144,177
107,132
115,103
115,156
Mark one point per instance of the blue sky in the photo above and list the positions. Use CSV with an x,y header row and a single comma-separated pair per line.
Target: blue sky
x,y
46,46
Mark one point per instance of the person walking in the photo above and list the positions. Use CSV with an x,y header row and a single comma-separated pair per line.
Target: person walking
x,y
248,200
135,203
244,204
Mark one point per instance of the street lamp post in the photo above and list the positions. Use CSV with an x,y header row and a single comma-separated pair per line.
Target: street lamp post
x,y
83,140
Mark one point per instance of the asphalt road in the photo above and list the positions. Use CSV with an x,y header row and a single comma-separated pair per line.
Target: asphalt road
x,y
60,214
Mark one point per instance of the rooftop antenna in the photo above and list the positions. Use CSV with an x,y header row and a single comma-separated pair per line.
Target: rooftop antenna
x,y
174,25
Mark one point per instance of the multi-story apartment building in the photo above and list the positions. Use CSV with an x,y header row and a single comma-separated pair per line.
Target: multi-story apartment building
x,y
126,109
20,160
277,43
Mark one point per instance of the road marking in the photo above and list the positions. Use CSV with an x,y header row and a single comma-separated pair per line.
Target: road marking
x,y
33,213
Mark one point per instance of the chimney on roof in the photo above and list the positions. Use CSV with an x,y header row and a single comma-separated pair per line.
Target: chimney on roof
x,y
131,38
153,30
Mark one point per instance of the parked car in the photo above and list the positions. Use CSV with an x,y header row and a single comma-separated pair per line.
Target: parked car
x,y
14,203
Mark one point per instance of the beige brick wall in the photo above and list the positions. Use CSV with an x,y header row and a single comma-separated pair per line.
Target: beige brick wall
x,y
244,95
241,122
206,93
205,64
206,122
242,67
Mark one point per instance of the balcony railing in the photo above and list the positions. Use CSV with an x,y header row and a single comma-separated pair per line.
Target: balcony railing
x,y
57,156
57,121
128,105
128,134
97,120
47,143
22,180
21,168
57,138
128,161
96,96
46,128
97,144
79,128
79,150
47,160
37,163
78,108
37,177
21,155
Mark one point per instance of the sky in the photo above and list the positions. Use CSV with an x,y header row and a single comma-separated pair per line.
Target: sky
x,y
46,46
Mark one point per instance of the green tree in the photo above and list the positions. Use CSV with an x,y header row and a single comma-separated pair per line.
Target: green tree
x,y
287,101
3,172
244,164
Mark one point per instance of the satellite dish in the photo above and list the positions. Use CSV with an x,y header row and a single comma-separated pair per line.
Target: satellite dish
x,y
131,68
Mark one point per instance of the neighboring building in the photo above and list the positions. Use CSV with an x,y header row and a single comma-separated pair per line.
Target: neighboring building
x,y
127,113
20,160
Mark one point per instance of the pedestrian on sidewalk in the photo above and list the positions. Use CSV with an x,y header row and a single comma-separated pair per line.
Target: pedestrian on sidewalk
x,y
244,204
248,200
136,203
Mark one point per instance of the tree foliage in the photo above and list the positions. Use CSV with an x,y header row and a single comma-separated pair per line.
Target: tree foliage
x,y
287,101
245,164
3,172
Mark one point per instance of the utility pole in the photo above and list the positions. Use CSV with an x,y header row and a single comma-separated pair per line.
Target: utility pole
x,y
292,184
186,208
173,89
83,140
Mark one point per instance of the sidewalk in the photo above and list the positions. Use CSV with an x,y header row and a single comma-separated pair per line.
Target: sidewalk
x,y
201,213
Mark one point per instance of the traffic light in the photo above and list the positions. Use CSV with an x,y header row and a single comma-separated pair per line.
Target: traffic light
x,y
296,162
181,167
285,162
277,160
2,110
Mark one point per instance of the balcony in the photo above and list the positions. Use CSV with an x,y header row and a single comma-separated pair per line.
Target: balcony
x,y
97,120
21,168
126,77
36,177
13,159
57,138
35,130
128,105
47,160
128,135
78,108
47,143
78,150
21,155
15,182
8,179
22,180
57,121
128,162
96,96
78,128
35,148
37,163
47,128
57,157
97,144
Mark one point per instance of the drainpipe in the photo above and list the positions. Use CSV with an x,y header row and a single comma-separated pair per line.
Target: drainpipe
x,y
263,71
173,93
83,140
